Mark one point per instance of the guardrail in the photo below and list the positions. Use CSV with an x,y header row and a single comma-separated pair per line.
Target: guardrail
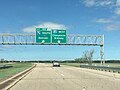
x,y
102,68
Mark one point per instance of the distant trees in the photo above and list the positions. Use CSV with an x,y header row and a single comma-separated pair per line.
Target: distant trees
x,y
2,60
80,60
88,55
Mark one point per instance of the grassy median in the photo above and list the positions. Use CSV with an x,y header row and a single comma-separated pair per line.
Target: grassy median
x,y
17,67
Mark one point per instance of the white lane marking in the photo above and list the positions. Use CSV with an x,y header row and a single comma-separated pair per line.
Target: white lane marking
x,y
83,88
62,75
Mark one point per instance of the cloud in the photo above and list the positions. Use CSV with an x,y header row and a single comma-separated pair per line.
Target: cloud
x,y
1,49
103,20
104,3
109,24
49,25
6,46
112,27
90,3
117,11
118,3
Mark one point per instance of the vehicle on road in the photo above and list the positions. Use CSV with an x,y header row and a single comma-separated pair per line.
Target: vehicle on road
x,y
56,64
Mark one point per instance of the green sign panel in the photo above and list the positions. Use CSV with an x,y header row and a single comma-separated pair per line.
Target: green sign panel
x,y
59,36
43,37
41,29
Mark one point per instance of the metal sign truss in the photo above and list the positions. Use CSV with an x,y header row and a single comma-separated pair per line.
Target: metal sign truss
x,y
30,39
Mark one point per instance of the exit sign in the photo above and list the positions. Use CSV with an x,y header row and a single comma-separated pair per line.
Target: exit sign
x,y
41,29
43,37
59,36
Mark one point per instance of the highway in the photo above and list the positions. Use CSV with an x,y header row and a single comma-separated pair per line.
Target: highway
x,y
46,77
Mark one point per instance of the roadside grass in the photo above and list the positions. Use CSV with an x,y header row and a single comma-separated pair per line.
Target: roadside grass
x,y
17,67
1,64
117,65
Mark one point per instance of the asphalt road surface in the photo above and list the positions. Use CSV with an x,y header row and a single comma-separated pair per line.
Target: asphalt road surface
x,y
46,77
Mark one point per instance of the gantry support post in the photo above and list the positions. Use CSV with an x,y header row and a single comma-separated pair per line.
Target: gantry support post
x,y
102,51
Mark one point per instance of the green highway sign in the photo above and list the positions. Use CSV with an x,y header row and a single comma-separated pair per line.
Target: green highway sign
x,y
41,29
43,37
59,36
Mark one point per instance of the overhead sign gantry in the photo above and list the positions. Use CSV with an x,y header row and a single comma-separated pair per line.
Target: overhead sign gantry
x,y
54,37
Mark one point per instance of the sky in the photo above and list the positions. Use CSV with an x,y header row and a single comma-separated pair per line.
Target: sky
x,y
86,17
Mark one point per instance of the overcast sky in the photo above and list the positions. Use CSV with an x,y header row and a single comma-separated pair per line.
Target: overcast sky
x,y
87,17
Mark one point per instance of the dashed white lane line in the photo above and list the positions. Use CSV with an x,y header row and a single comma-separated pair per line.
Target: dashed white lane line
x,y
62,75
